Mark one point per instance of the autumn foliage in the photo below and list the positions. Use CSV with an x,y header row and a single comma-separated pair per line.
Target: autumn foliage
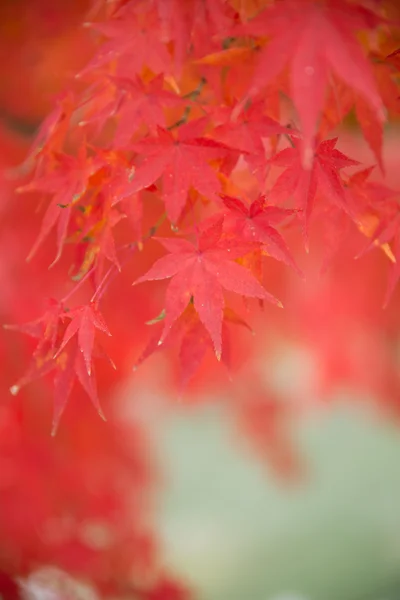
x,y
233,160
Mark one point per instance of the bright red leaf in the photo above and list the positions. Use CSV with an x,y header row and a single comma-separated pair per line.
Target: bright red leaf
x,y
201,272
255,223
67,364
84,322
133,41
67,181
302,184
181,161
320,39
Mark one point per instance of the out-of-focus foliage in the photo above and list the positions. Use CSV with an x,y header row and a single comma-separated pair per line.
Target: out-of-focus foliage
x,y
226,131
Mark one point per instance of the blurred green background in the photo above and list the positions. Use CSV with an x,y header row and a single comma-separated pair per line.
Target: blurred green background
x,y
236,533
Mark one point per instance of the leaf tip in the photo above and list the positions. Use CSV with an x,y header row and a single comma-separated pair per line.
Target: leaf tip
x,y
102,415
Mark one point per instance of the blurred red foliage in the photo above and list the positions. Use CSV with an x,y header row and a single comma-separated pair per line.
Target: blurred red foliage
x,y
214,128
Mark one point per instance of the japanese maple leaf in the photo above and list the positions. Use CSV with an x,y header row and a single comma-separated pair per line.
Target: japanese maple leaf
x,y
142,104
256,223
46,330
378,217
181,161
369,121
368,195
68,364
201,271
320,39
67,182
189,333
192,25
131,102
134,42
248,133
98,234
52,132
85,320
302,184
196,342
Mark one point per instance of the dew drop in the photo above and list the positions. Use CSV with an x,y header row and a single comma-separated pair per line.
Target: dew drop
x,y
14,390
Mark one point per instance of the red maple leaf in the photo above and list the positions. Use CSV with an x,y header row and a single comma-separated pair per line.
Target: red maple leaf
x,y
132,102
85,320
181,161
302,184
201,271
341,99
320,39
97,236
256,223
52,132
189,25
66,363
248,133
133,42
142,104
377,216
193,340
66,179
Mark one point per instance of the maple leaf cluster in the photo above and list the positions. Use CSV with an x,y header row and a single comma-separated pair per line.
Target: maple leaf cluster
x,y
178,99
199,154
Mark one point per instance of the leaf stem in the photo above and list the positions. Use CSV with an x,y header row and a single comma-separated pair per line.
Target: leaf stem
x,y
113,270
77,286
